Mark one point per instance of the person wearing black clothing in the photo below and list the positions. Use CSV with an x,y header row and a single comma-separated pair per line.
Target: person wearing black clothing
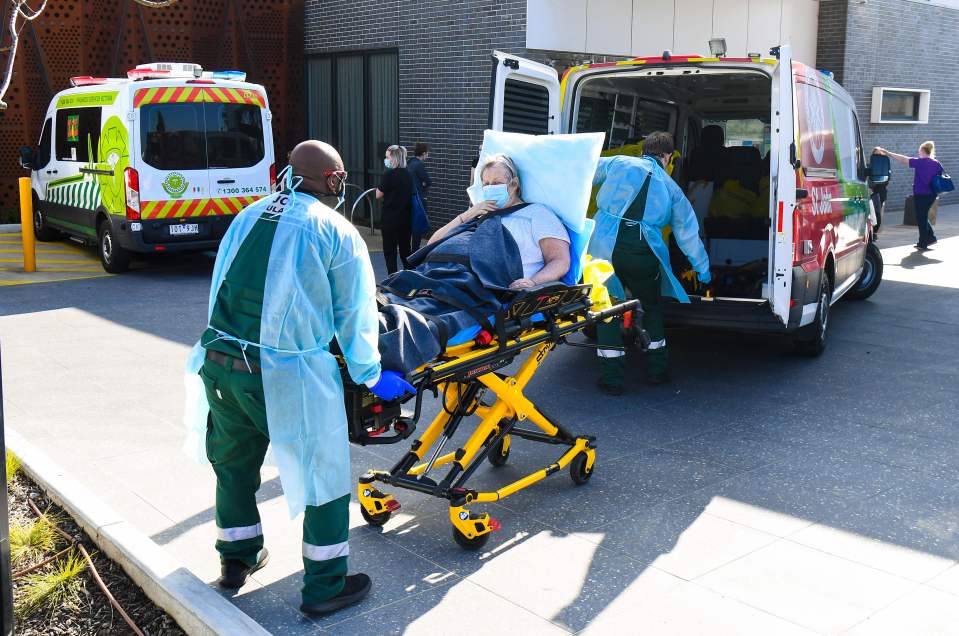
x,y
421,180
396,192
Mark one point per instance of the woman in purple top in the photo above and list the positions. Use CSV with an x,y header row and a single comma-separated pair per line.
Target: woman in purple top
x,y
926,168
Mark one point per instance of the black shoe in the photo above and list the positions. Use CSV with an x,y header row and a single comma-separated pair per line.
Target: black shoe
x,y
921,248
932,242
233,573
610,389
356,588
660,378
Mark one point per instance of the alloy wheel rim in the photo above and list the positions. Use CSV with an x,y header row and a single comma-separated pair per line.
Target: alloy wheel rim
x,y
107,247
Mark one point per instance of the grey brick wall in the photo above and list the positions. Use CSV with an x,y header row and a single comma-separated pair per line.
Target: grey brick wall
x,y
444,71
906,44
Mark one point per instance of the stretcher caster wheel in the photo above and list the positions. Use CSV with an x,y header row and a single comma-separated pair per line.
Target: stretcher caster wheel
x,y
499,453
474,544
578,470
376,520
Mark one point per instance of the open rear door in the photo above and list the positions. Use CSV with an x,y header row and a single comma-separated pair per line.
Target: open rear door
x,y
784,150
524,96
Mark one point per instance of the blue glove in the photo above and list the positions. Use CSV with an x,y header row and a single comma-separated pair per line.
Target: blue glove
x,y
705,278
391,386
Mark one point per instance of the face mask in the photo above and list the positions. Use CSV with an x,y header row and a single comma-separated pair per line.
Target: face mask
x,y
386,162
498,194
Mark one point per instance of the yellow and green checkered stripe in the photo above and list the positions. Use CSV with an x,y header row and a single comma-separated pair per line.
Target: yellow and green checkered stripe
x,y
77,194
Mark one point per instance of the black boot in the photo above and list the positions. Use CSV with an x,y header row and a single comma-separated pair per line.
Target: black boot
x,y
355,590
233,573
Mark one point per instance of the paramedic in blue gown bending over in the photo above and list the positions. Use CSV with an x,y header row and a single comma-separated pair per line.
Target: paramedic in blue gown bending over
x,y
291,274
636,201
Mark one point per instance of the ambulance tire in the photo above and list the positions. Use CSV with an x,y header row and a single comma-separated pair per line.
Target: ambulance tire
x,y
41,230
113,257
811,339
871,275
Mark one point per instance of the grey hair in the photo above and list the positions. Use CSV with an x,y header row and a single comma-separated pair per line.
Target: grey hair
x,y
398,155
500,160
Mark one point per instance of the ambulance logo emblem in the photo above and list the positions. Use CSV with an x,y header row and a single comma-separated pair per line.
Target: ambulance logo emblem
x,y
175,185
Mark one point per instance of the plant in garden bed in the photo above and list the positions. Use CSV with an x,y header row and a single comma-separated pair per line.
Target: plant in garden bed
x,y
57,588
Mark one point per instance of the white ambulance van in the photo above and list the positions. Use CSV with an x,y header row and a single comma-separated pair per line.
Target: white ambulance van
x,y
159,161
770,154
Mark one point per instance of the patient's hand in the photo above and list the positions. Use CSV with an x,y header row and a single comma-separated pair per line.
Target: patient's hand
x,y
522,283
481,208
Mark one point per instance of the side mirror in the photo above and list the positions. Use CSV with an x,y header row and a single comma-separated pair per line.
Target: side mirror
x,y
27,158
879,169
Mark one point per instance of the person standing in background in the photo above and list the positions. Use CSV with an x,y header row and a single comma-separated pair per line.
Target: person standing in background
x,y
923,196
396,192
421,181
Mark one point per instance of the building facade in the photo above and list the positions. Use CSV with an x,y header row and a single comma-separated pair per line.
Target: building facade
x,y
403,71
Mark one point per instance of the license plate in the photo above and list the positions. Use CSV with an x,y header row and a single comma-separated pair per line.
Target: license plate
x,y
184,228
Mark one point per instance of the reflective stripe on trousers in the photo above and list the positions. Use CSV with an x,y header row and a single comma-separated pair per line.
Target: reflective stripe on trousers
x,y
325,552
658,344
240,534
610,353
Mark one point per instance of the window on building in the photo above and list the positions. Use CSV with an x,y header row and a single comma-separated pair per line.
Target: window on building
x,y
899,106
78,133
353,104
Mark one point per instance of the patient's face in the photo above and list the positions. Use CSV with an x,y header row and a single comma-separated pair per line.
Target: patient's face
x,y
498,175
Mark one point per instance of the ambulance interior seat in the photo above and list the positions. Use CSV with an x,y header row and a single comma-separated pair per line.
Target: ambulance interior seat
x,y
706,160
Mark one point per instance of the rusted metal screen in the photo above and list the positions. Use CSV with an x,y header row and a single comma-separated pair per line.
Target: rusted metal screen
x,y
108,37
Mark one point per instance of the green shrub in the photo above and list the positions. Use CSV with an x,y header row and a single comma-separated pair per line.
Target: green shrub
x,y
55,588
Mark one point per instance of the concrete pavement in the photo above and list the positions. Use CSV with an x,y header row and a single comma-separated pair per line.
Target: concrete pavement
x,y
759,493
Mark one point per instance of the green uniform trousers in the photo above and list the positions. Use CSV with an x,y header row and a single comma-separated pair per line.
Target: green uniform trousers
x,y
236,442
638,268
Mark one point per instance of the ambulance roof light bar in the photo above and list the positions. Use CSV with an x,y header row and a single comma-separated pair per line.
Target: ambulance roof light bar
x,y
88,80
164,70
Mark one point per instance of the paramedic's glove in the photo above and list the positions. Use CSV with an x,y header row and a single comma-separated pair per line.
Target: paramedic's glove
x,y
391,386
705,278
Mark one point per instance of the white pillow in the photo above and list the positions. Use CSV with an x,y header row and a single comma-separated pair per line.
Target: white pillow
x,y
554,170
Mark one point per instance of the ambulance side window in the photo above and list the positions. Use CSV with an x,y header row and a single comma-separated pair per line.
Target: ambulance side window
x,y
78,134
43,149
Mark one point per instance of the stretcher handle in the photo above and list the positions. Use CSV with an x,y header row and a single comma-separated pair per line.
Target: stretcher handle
x,y
614,311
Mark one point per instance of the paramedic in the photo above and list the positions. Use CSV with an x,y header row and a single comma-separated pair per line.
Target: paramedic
x,y
396,191
636,201
540,235
291,274
926,167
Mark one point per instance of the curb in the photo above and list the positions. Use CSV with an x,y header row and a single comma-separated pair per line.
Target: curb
x,y
196,607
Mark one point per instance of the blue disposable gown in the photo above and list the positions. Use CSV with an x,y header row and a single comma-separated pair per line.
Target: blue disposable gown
x,y
621,179
319,284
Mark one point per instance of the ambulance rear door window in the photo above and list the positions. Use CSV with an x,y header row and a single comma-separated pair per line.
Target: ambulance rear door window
x,y
234,135
78,134
172,136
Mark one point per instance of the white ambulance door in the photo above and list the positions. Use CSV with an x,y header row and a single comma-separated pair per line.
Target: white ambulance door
x,y
45,169
171,161
784,149
239,147
524,96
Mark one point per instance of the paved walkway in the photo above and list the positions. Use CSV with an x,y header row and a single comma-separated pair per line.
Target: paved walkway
x,y
760,493
55,261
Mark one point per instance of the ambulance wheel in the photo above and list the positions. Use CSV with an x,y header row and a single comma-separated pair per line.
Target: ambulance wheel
x,y
578,471
41,230
114,258
377,520
811,339
471,545
496,455
871,275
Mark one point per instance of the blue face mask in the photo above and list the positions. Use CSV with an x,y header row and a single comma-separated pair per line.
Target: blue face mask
x,y
498,194
386,162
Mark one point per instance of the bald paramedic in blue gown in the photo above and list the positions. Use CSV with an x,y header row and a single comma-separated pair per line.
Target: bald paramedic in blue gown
x,y
291,274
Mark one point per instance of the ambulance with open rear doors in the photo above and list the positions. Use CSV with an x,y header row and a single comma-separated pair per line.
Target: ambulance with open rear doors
x,y
770,153
159,161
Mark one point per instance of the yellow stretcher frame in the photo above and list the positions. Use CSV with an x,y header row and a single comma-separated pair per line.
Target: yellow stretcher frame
x,y
491,439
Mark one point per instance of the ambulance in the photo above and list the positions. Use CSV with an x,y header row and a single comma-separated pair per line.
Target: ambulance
x,y
769,152
160,161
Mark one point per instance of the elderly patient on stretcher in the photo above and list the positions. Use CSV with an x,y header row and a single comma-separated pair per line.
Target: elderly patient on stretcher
x,y
457,281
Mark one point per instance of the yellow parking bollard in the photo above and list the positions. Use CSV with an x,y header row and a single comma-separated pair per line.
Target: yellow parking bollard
x,y
26,226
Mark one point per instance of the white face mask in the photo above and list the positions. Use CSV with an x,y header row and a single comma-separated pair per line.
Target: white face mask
x,y
497,193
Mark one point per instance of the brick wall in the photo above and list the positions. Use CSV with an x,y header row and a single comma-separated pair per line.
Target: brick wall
x,y
898,43
444,71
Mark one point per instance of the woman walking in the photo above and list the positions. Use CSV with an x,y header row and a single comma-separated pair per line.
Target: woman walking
x,y
396,191
926,167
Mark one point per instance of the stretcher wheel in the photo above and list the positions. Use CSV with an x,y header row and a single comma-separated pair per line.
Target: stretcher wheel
x,y
578,471
376,520
497,457
476,543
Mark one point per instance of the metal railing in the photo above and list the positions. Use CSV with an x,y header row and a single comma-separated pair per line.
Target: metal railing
x,y
364,196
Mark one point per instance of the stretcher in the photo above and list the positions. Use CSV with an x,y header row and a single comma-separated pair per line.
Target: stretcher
x,y
465,376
